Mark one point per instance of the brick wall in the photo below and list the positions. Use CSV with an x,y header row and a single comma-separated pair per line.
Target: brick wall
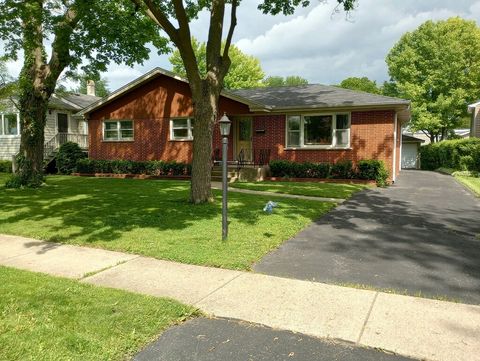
x,y
371,137
153,105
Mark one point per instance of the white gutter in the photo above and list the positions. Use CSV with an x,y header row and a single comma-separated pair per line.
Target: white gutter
x,y
394,175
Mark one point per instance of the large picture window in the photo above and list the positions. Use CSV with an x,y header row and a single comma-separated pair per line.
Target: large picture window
x,y
9,124
318,131
118,130
181,129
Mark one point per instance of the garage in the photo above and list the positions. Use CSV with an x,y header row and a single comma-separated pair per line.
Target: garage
x,y
410,152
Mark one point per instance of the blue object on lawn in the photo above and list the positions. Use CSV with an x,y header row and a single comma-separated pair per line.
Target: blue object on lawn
x,y
269,207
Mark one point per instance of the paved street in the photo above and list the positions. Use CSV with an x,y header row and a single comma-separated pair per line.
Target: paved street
x,y
206,339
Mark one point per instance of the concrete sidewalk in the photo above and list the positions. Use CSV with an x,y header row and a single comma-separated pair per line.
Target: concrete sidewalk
x,y
218,185
414,327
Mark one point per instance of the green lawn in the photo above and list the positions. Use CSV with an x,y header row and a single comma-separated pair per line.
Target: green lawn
x,y
153,218
4,177
314,189
471,182
50,318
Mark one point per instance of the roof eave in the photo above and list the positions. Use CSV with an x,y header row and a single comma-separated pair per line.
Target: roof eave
x,y
146,77
345,107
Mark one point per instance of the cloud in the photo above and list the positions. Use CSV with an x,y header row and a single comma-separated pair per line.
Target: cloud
x,y
315,43
327,48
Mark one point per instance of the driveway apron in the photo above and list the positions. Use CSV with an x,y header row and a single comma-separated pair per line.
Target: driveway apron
x,y
420,236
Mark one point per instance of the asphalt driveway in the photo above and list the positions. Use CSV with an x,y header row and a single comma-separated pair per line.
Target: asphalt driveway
x,y
420,236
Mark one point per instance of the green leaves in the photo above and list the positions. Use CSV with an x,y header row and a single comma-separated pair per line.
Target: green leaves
x,y
245,70
361,84
438,68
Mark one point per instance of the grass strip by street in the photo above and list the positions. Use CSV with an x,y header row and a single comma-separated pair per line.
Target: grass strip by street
x,y
473,183
153,218
312,189
50,318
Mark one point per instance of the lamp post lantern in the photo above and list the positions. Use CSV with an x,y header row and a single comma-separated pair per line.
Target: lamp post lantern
x,y
225,124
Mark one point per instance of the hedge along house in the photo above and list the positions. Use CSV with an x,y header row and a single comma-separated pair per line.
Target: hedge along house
x,y
151,119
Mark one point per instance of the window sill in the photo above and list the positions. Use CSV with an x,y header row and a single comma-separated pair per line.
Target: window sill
x,y
118,141
181,140
9,136
318,148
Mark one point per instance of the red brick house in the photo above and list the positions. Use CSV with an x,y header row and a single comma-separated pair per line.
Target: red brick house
x,y
151,119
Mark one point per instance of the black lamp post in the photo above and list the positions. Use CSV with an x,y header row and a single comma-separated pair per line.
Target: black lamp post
x,y
225,124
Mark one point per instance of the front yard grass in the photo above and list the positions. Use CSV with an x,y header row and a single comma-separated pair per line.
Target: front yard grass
x,y
472,183
3,178
153,218
50,318
313,189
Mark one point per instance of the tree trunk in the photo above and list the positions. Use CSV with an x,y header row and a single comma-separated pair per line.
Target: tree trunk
x,y
205,110
33,114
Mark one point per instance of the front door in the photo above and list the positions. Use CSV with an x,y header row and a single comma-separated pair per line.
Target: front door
x,y
243,138
62,123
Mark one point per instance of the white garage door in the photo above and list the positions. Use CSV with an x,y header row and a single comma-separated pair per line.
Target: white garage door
x,y
409,155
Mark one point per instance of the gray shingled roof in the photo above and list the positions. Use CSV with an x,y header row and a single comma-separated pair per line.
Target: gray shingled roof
x,y
314,96
71,101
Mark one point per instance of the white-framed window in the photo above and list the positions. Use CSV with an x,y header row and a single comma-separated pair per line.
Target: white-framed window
x,y
181,129
318,130
118,130
10,125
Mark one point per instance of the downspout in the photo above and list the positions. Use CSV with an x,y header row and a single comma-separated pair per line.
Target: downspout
x,y
394,174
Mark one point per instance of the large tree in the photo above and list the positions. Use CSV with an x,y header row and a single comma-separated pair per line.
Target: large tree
x,y
245,70
291,80
78,32
437,66
174,18
362,84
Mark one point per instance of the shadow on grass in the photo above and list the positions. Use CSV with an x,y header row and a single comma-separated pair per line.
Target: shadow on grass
x,y
155,215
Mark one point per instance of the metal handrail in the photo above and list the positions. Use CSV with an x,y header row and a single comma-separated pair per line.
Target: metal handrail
x,y
61,138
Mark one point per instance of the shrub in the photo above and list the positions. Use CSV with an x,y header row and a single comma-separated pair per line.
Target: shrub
x,y
342,170
5,166
155,168
373,169
463,154
22,179
67,157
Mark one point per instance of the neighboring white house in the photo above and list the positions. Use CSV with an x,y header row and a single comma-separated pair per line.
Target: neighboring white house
x,y
62,124
474,109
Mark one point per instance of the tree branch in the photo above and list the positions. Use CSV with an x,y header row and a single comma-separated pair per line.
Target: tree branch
x,y
214,43
60,49
159,17
233,24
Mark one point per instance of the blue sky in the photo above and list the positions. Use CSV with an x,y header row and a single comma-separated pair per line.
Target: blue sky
x,y
315,43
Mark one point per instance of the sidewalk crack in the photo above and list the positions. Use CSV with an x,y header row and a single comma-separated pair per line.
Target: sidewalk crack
x,y
367,318
218,288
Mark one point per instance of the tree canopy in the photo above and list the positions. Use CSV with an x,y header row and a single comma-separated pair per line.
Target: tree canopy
x,y
245,70
81,33
437,66
291,80
361,84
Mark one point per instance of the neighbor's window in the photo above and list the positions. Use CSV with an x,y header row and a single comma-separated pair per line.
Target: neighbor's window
x,y
118,130
9,124
181,129
323,131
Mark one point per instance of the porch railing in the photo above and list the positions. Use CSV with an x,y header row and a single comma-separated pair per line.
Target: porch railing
x,y
61,138
246,157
